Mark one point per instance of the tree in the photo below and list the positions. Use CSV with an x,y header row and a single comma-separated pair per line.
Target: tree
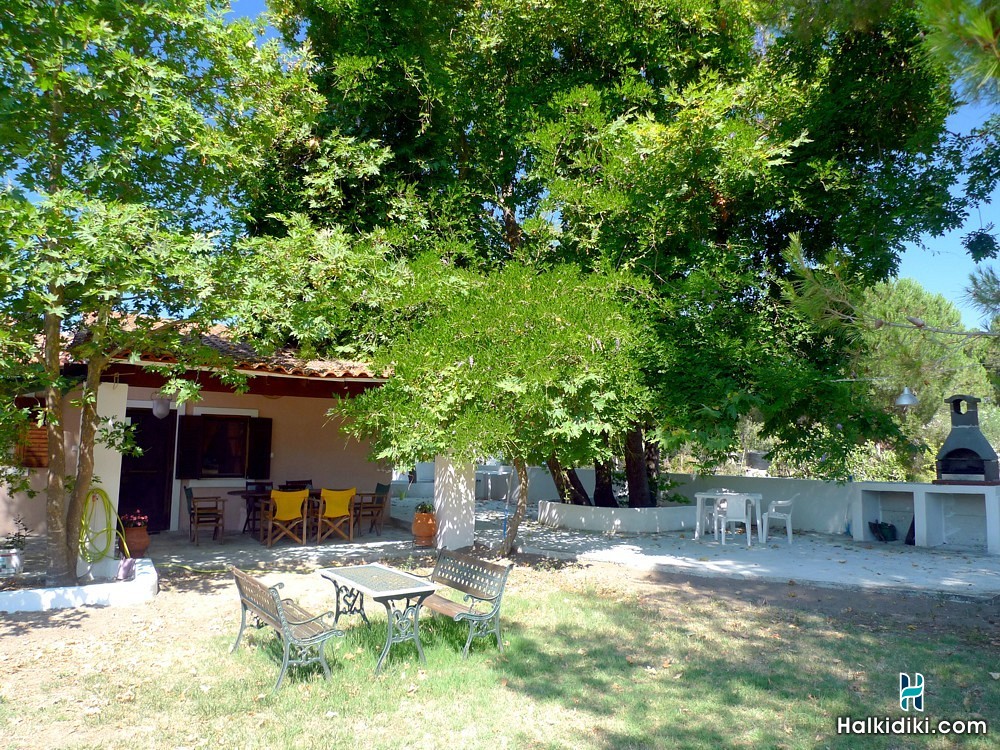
x,y
122,127
680,141
512,365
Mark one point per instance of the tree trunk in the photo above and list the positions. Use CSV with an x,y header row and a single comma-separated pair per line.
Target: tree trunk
x,y
58,571
520,509
604,494
635,469
653,471
568,492
578,489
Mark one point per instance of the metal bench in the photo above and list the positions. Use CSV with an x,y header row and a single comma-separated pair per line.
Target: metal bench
x,y
482,584
303,635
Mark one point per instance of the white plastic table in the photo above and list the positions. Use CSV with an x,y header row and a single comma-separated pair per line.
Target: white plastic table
x,y
715,496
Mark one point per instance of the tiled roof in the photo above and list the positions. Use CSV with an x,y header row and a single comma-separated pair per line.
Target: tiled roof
x,y
283,361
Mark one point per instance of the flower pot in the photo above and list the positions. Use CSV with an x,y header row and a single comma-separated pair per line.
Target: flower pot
x,y
424,529
11,561
137,541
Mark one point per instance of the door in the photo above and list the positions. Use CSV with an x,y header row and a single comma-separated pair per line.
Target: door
x,y
147,480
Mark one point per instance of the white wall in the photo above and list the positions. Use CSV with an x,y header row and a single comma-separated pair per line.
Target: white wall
x,y
625,520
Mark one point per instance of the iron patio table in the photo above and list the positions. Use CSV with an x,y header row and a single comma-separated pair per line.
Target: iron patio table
x,y
400,593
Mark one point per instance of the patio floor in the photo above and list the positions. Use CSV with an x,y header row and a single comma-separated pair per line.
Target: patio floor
x,y
816,559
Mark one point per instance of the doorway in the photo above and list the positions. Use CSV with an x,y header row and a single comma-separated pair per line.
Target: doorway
x,y
147,480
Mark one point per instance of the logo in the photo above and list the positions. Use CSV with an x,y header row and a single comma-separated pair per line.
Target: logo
x,y
911,692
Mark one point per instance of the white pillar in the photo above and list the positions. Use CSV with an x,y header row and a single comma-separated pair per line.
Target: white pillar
x,y
454,503
111,401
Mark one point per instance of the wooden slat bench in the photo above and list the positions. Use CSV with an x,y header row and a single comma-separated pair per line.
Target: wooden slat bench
x,y
303,635
482,584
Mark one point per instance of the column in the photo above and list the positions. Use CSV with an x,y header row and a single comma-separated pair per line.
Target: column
x,y
454,503
111,401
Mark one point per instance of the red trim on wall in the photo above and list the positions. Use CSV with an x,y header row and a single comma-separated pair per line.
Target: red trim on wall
x,y
258,385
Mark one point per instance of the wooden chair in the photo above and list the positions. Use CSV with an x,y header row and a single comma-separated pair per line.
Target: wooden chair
x,y
372,507
252,524
335,512
285,514
208,512
296,484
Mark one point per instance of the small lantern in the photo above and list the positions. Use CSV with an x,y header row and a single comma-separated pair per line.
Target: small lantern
x,y
161,405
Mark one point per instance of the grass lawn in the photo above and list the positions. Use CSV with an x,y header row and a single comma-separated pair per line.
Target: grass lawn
x,y
594,658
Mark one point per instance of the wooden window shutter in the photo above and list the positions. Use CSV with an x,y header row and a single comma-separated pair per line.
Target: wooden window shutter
x,y
189,447
259,448
33,452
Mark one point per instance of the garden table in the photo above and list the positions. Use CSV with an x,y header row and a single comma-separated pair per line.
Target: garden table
x,y
714,496
400,593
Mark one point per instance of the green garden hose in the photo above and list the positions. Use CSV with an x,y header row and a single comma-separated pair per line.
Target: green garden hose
x,y
97,544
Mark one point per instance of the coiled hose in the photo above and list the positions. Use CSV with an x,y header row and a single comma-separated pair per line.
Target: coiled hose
x,y
97,544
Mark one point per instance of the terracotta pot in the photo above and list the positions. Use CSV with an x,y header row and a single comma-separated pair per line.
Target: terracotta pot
x,y
137,540
424,529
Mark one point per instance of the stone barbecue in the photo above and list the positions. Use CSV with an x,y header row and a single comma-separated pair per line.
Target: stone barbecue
x,y
966,456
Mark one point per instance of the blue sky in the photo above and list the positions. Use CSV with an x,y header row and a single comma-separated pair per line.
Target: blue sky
x,y
944,266
941,266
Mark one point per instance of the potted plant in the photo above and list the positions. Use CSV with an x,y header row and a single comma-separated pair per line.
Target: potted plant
x,y
135,534
424,525
12,549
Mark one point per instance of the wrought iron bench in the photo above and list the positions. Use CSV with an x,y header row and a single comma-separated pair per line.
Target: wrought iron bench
x,y
303,635
482,584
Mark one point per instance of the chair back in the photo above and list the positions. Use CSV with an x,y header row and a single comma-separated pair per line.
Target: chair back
x,y
288,505
336,503
297,484
383,489
737,508
189,496
780,508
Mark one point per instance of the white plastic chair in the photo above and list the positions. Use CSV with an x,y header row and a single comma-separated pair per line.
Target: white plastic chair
x,y
779,509
714,505
738,510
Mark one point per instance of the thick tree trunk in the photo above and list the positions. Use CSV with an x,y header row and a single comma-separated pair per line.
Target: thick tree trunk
x,y
604,494
635,469
568,491
653,471
520,509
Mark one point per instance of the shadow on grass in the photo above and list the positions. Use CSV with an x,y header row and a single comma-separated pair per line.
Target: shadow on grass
x,y
766,678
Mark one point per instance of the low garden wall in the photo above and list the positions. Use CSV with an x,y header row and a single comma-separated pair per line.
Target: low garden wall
x,y
618,520
824,507
141,585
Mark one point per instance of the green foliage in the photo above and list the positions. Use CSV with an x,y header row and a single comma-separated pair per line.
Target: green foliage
x,y
521,364
963,34
123,128
673,140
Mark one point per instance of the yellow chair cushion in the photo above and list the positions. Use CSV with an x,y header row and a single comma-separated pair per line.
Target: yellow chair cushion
x,y
288,505
337,503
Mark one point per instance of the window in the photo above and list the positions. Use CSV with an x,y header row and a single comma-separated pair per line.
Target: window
x,y
219,446
33,446
33,450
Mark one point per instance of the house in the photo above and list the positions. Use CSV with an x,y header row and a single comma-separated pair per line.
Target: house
x,y
278,430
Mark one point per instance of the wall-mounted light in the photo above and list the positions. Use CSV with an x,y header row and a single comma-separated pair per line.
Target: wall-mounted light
x,y
906,398
161,405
